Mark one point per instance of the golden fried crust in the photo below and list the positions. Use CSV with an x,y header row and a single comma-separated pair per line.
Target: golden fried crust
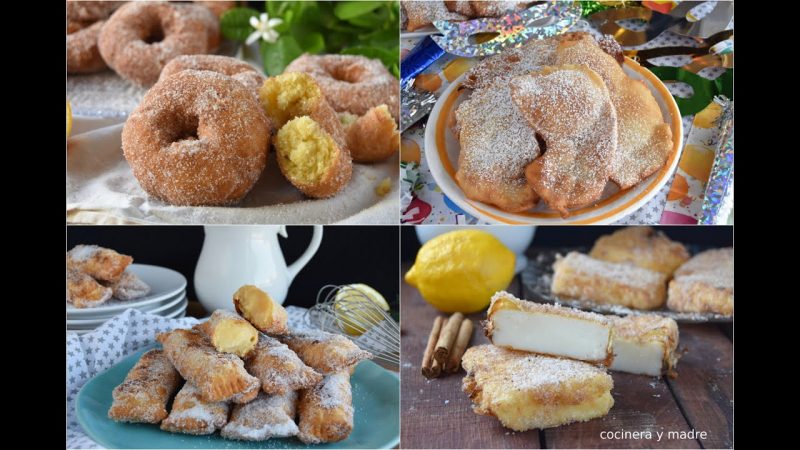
x,y
526,391
583,277
218,376
84,292
373,137
326,353
279,368
704,284
496,145
102,264
258,308
235,68
326,410
571,111
643,247
147,388
191,415
265,417
229,333
505,301
644,140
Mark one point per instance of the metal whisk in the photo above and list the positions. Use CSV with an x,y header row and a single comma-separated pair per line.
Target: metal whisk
x,y
359,319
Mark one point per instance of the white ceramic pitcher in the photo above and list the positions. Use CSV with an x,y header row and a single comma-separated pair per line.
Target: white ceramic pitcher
x,y
233,256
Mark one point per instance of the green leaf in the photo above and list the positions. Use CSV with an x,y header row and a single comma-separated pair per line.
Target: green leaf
x,y
372,20
348,10
312,42
235,23
278,55
395,70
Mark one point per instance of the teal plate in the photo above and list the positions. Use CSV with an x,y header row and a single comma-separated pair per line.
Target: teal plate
x,y
376,399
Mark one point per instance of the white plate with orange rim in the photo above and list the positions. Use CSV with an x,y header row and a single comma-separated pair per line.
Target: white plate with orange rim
x,y
442,149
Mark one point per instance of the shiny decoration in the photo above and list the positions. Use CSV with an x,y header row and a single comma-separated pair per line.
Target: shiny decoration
x,y
718,198
512,30
704,90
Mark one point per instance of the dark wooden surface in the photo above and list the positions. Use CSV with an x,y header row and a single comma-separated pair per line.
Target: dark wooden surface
x,y
437,414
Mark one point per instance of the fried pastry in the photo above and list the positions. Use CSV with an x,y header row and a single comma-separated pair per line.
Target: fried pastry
x,y
496,145
526,391
129,286
103,264
191,415
260,310
644,140
326,410
704,284
484,8
229,333
643,247
247,395
218,376
583,277
84,291
326,353
147,388
532,56
279,368
296,94
265,417
571,111
645,345
372,137
548,329
419,14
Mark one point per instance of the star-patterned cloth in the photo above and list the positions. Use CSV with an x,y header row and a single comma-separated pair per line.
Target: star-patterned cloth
x,y
94,352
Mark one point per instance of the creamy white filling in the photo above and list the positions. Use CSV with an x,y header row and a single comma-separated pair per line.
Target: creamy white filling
x,y
551,334
633,357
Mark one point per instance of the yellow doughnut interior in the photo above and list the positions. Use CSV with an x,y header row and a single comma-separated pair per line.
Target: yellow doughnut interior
x,y
288,96
305,150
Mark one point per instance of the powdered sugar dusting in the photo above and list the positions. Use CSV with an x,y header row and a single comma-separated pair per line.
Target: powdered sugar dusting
x,y
265,417
421,13
623,273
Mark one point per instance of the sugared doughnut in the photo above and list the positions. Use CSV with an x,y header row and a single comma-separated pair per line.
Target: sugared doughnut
x,y
82,53
218,7
372,137
88,12
293,94
141,37
197,138
234,68
351,83
310,159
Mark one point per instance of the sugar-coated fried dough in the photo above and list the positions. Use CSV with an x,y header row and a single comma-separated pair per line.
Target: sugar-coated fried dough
x,y
147,389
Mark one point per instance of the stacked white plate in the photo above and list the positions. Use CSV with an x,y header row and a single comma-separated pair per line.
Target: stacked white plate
x,y
167,298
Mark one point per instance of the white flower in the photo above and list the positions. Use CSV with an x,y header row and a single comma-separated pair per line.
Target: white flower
x,y
264,29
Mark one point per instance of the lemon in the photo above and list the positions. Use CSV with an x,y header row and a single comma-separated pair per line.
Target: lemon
x,y
353,310
69,118
461,270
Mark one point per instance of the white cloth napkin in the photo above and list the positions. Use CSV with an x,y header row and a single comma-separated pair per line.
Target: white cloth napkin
x,y
94,352
101,189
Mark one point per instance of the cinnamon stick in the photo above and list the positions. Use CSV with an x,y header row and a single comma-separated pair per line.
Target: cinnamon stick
x,y
427,357
447,338
460,346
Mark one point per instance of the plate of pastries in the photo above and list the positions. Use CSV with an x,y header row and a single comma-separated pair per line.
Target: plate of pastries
x,y
243,379
560,130
637,270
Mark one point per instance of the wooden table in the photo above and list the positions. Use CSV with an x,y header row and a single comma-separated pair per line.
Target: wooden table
x,y
437,414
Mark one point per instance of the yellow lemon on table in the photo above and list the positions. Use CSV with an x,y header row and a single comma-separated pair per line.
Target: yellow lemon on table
x,y
69,118
355,306
461,270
